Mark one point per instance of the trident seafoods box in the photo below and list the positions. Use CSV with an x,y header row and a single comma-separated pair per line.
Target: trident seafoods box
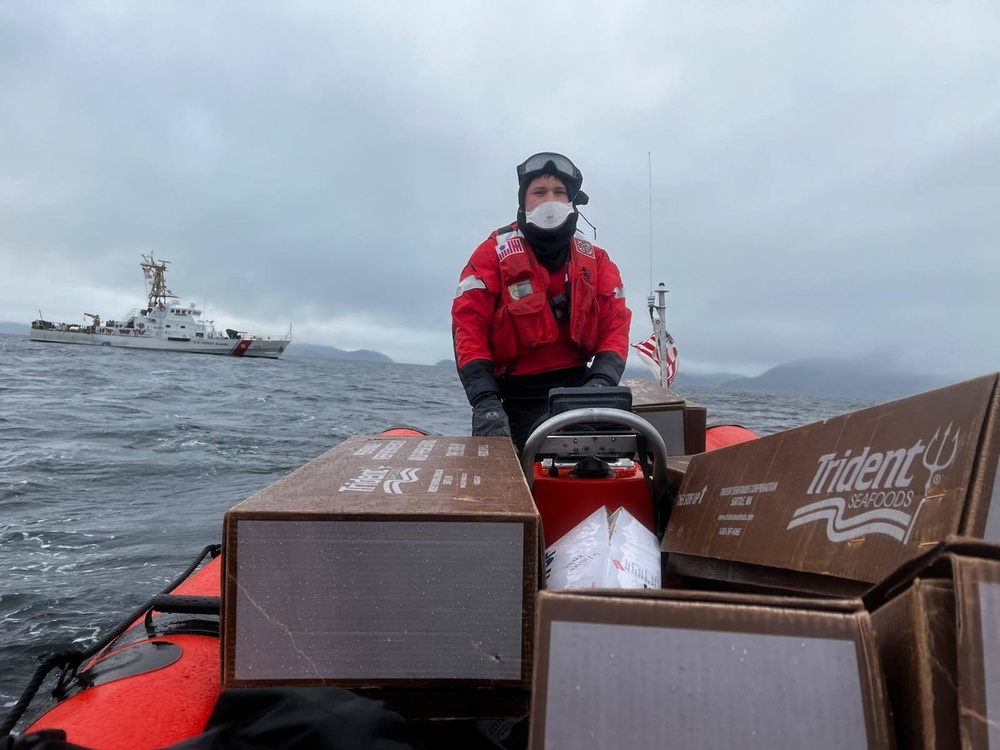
x,y
938,630
851,497
407,565
692,669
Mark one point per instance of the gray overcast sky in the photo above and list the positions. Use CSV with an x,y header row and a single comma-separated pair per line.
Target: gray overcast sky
x,y
825,176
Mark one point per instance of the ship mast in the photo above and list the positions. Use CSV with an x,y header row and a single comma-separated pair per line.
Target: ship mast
x,y
155,273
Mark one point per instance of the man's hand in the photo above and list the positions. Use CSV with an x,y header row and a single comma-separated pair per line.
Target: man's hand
x,y
489,419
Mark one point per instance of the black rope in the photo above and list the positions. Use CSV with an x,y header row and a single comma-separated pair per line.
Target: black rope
x,y
69,661
61,660
211,549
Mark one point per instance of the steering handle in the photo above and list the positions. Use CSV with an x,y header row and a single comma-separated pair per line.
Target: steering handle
x,y
586,416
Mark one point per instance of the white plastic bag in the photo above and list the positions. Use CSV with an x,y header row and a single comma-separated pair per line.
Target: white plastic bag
x,y
580,558
634,554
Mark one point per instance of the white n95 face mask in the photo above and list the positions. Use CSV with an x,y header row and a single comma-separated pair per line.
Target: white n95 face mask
x,y
549,215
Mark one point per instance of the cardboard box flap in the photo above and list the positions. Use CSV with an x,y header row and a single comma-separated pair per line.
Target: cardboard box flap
x,y
708,572
937,562
642,671
916,635
938,625
842,605
854,496
977,603
982,519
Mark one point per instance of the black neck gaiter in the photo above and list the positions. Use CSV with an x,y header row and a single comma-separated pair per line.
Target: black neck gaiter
x,y
551,246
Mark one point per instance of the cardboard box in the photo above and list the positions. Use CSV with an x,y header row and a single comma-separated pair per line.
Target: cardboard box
x,y
938,629
851,497
681,669
681,425
677,467
393,564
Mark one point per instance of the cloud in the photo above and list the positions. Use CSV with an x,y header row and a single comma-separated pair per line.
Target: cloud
x,y
822,177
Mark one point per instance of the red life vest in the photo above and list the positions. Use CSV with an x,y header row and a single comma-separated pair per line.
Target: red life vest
x,y
523,318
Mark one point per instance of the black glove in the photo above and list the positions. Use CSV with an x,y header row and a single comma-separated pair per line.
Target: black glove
x,y
489,419
605,370
478,380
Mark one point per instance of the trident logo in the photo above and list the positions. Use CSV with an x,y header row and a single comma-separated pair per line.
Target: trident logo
x,y
936,466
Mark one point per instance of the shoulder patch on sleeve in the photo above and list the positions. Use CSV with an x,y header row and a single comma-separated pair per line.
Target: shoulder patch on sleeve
x,y
469,283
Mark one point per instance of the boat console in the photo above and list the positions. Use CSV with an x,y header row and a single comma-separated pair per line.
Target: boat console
x,y
590,438
585,426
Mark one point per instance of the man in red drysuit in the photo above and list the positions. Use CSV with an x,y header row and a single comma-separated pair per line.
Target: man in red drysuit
x,y
536,303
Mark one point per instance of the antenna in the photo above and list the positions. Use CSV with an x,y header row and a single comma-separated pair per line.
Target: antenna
x,y
649,156
657,302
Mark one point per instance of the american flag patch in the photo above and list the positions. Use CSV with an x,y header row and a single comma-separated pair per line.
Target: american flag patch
x,y
585,247
509,248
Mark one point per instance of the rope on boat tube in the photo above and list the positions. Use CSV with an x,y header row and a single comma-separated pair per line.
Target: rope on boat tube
x,y
69,661
63,659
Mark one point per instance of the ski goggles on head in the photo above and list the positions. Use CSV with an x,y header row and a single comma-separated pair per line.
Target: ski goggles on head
x,y
560,164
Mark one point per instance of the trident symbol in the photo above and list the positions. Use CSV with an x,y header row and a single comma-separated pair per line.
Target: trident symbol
x,y
937,465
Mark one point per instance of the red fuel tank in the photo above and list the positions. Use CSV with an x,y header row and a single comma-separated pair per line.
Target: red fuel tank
x,y
563,500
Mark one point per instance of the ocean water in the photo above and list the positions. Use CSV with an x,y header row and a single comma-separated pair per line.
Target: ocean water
x,y
116,467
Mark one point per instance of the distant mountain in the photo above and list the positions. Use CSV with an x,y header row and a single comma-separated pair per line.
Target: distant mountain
x,y
296,350
872,378
865,379
704,380
15,329
446,363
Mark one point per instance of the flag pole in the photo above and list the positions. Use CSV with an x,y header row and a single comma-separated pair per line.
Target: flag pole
x,y
660,329
651,303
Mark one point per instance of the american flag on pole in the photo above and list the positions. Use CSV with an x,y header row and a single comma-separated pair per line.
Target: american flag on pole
x,y
649,354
